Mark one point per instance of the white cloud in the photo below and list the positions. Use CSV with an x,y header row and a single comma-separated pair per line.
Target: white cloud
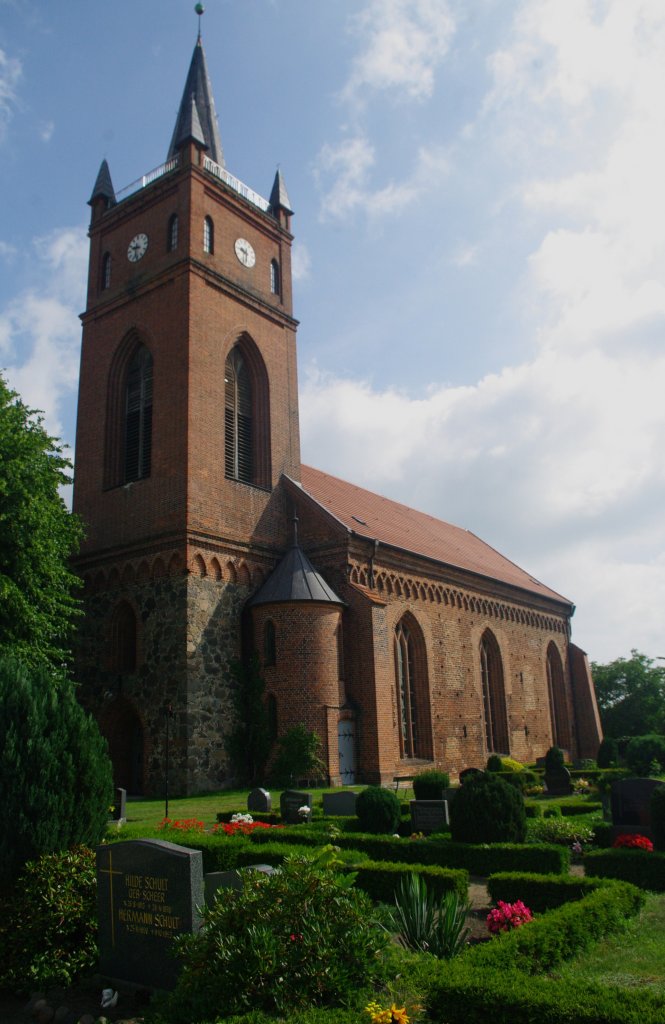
x,y
344,172
402,43
40,330
10,74
300,262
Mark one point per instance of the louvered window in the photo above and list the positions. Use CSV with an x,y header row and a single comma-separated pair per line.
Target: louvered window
x,y
138,416
238,441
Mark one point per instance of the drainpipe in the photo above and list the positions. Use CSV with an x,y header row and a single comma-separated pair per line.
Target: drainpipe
x,y
371,563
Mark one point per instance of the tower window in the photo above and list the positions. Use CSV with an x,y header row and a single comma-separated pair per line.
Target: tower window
x,y
238,419
494,696
208,235
138,416
275,284
106,270
172,234
415,727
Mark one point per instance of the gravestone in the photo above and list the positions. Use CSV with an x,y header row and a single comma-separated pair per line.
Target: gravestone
x,y
119,812
290,802
148,892
428,815
259,800
214,880
557,782
340,804
631,805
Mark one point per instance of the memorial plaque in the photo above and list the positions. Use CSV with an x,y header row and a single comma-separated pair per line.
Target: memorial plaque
x,y
290,803
340,804
148,892
259,800
428,815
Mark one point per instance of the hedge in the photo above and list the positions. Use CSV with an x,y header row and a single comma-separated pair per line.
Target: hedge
x,y
503,978
647,870
476,859
540,892
380,880
589,807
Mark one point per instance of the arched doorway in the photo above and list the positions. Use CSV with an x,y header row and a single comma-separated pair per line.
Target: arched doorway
x,y
123,731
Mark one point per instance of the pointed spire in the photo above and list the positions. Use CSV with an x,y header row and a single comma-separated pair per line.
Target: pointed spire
x,y
103,186
197,94
279,197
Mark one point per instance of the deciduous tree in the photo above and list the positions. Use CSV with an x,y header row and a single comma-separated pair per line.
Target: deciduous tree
x,y
631,695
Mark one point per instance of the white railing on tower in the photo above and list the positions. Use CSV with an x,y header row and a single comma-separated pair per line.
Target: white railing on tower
x,y
148,178
238,186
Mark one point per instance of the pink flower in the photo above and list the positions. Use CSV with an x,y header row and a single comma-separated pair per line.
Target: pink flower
x,y
506,916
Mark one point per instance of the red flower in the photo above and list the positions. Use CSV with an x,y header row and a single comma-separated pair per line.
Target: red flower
x,y
628,841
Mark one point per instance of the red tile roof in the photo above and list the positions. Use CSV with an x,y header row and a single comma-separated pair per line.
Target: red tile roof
x,y
376,518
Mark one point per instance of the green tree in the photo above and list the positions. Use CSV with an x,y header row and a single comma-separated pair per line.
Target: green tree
x,y
248,744
298,757
631,695
37,537
55,775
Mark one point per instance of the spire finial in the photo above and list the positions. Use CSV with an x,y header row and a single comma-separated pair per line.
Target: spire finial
x,y
200,9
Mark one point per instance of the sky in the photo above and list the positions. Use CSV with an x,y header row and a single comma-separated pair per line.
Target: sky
x,y
479,255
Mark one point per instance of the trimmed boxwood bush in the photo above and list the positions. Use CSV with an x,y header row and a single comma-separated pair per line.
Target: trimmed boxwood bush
x,y
540,892
378,810
588,807
381,879
637,866
430,785
487,810
494,763
554,759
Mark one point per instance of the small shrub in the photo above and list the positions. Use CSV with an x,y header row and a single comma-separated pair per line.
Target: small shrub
x,y
430,785
551,811
48,927
494,763
509,764
658,817
558,830
487,810
554,760
298,757
608,753
642,751
428,925
378,810
296,939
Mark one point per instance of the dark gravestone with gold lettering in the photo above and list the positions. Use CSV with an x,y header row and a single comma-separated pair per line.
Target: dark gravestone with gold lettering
x,y
148,891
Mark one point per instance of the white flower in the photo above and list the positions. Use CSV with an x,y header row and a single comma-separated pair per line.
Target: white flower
x,y
304,811
242,819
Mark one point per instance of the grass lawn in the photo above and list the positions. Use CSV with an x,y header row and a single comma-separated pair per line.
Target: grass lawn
x,y
633,958
205,807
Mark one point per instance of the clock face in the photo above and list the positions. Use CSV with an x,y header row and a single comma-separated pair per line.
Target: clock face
x,y
137,248
245,253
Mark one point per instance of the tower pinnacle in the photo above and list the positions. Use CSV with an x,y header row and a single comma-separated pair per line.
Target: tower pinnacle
x,y
198,92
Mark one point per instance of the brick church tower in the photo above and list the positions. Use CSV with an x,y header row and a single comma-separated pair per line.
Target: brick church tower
x,y
187,419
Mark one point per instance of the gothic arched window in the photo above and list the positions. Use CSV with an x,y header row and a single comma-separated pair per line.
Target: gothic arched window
x,y
275,284
138,416
106,270
269,646
494,695
123,639
556,689
415,727
208,235
172,233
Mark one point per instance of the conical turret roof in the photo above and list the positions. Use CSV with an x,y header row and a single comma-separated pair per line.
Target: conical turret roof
x,y
197,93
279,197
103,186
295,579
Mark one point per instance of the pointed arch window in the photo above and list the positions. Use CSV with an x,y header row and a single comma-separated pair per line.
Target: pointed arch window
x,y
172,233
138,416
208,235
269,646
238,419
415,727
556,689
275,283
123,644
494,695
106,271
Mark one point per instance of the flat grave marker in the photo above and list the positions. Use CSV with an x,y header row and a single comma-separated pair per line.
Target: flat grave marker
x,y
340,804
428,816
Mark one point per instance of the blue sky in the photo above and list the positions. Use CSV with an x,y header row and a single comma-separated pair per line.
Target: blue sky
x,y
479,255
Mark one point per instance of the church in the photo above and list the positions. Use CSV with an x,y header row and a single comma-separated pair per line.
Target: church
x,y
404,642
